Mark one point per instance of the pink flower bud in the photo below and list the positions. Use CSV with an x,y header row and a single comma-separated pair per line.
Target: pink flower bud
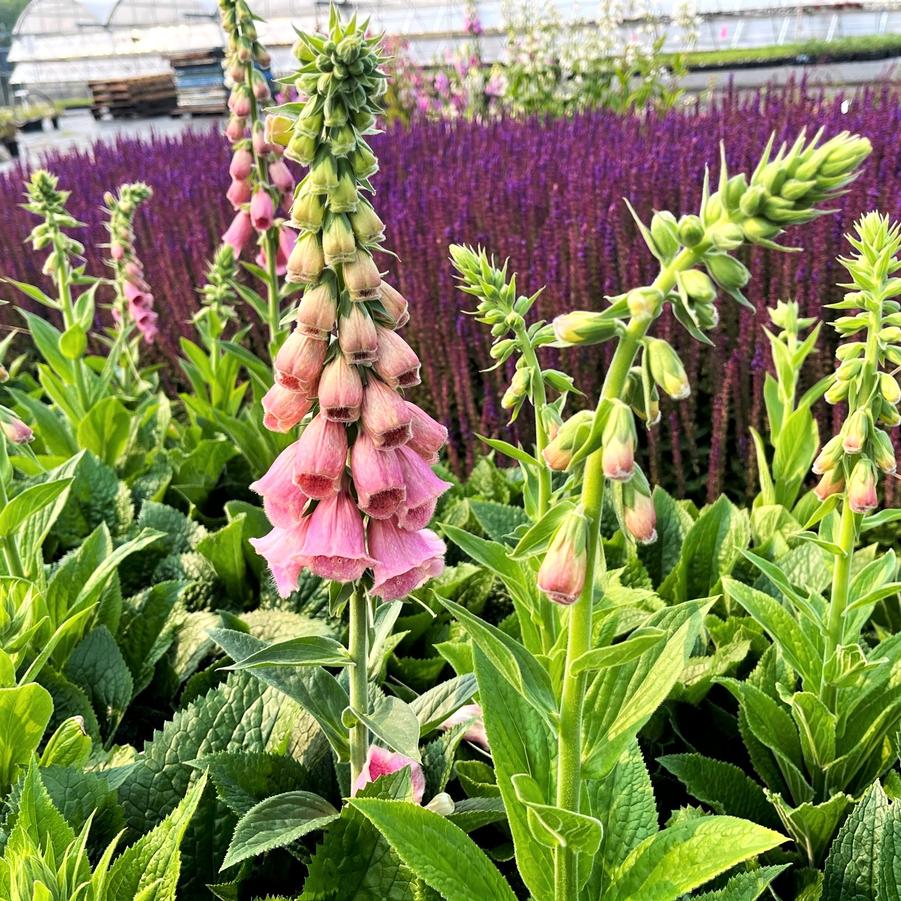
x,y
385,415
238,193
380,762
239,232
855,431
236,127
335,544
571,435
239,102
17,432
562,573
423,488
307,261
472,714
284,408
395,305
280,176
403,560
362,277
281,548
241,164
832,482
117,251
428,436
357,335
618,455
397,364
262,210
862,487
320,458
316,312
639,514
283,501
258,139
340,390
829,457
378,478
298,363
134,272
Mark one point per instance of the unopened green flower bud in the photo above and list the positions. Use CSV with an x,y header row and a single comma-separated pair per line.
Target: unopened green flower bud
x,y
728,272
644,303
850,350
888,387
665,232
725,236
856,431
518,389
342,140
4,374
338,242
697,286
306,262
888,414
569,438
794,189
849,369
752,200
667,369
323,177
308,210
366,224
883,452
343,197
735,190
691,230
363,161
302,149
830,455
502,349
759,229
713,210
583,327
836,392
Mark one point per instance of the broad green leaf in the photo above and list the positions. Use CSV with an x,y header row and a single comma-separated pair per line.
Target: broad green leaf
x,y
439,852
497,520
796,447
812,826
617,654
277,822
744,886
434,706
394,723
105,430
224,548
538,537
553,826
308,650
30,502
684,857
25,712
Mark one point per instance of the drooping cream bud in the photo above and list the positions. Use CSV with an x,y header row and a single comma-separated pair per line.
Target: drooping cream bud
x,y
570,437
583,327
562,573
862,487
667,369
619,439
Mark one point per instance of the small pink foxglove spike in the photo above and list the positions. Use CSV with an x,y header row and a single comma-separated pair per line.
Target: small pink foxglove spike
x,y
283,501
340,390
380,762
239,232
385,415
423,488
262,210
320,458
378,478
299,362
428,435
284,408
281,550
397,365
404,560
335,547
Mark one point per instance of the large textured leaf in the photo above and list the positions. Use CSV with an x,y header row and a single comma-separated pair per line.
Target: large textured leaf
x,y
812,825
621,700
521,742
497,520
277,822
684,857
441,854
434,706
744,886
24,714
154,860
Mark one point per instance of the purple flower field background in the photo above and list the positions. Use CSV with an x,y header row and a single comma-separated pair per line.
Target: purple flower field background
x,y
548,195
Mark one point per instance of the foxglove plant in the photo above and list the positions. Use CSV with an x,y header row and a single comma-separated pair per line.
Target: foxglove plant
x,y
354,493
261,181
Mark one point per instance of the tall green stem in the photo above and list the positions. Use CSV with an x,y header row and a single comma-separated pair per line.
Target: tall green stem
x,y
65,300
539,402
359,679
569,741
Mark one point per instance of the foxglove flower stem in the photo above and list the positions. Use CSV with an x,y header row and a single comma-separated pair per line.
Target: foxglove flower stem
x,y
359,681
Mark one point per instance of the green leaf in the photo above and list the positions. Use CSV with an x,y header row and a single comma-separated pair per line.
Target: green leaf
x,y
796,447
683,857
25,712
744,886
812,825
308,650
474,813
434,706
538,537
394,723
553,826
277,822
617,654
439,852
224,548
498,521
509,450
28,503
154,860
105,430
517,664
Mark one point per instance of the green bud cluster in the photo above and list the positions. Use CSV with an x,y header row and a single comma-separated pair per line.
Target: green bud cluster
x,y
865,378
45,199
121,209
218,295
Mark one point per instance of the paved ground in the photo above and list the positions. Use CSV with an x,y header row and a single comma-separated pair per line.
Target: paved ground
x,y
78,128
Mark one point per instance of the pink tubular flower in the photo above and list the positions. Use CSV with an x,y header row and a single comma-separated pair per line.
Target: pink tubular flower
x,y
241,164
562,573
831,482
340,390
286,239
298,364
428,436
469,713
239,232
357,335
378,478
641,518
116,250
280,176
283,501
262,210
320,458
316,312
397,364
380,762
395,305
284,408
17,432
335,545
403,560
385,415
423,488
238,193
234,131
281,550
862,487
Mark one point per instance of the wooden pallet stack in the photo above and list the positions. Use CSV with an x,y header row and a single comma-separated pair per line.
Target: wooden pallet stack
x,y
122,98
199,82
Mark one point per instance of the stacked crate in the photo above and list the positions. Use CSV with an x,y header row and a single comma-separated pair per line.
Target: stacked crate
x,y
145,95
199,82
